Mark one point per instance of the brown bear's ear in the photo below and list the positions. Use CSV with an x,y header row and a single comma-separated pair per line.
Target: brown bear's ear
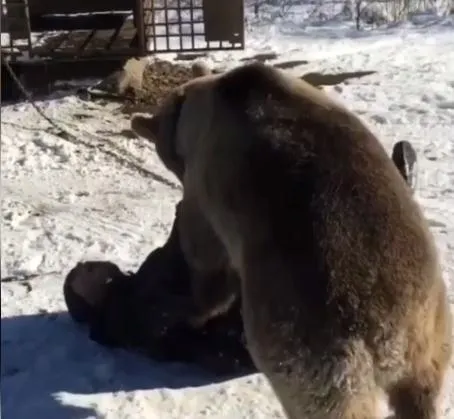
x,y
145,126
161,130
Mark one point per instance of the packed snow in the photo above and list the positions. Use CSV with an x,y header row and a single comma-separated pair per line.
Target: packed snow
x,y
62,202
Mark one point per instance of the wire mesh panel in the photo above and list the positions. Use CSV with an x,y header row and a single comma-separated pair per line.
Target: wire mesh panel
x,y
193,25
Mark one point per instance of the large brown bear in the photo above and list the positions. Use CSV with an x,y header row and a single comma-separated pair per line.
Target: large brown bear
x,y
142,310
342,295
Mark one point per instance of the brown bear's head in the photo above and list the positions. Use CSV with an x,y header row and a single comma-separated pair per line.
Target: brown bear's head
x,y
189,112
180,120
85,288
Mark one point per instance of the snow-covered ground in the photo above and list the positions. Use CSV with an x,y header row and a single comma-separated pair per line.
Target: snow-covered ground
x,y
62,202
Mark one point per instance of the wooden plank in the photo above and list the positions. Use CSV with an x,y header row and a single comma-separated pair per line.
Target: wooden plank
x,y
123,53
124,37
49,45
114,36
73,43
41,23
134,44
47,7
11,53
98,42
91,44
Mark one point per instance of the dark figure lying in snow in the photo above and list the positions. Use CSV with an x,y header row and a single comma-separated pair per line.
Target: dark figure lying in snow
x,y
141,311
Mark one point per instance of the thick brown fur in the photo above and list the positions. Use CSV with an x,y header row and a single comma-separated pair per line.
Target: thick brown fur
x,y
342,295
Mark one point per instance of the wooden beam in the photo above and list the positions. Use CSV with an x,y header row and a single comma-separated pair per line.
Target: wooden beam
x,y
65,7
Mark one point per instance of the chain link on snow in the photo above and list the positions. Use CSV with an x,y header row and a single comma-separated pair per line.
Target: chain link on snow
x,y
65,134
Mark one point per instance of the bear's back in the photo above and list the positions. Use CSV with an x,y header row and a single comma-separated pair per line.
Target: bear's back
x,y
310,181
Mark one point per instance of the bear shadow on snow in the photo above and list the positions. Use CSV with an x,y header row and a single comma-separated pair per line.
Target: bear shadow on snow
x,y
145,311
44,356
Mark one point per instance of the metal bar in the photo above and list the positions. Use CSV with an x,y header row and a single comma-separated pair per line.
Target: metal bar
x,y
242,25
166,20
148,7
191,3
29,30
153,21
141,29
195,33
180,26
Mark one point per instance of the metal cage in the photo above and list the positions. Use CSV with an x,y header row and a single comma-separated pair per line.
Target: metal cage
x,y
193,25
84,29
